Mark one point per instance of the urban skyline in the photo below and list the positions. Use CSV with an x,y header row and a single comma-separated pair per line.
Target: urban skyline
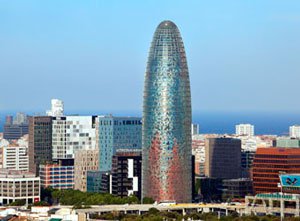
x,y
146,154
210,122
232,46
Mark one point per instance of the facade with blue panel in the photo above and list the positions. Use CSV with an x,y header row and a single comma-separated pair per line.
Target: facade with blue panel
x,y
167,157
117,133
290,180
57,176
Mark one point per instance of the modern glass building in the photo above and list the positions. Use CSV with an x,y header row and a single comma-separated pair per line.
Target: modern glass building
x,y
40,142
117,133
167,157
98,182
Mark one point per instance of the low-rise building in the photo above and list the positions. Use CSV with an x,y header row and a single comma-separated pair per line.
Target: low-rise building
x,y
18,185
57,176
287,142
99,182
209,189
237,188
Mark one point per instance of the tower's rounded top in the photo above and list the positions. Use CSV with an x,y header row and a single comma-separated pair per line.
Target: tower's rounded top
x,y
167,24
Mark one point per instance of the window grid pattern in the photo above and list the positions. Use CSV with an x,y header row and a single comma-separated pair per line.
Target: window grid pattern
x,y
167,119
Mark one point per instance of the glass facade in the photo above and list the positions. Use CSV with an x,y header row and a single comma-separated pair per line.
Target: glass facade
x,y
94,181
117,133
167,119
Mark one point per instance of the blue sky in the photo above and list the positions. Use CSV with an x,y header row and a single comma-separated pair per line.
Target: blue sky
x,y
242,55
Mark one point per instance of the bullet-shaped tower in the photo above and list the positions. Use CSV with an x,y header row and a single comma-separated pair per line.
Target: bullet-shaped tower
x,y
167,169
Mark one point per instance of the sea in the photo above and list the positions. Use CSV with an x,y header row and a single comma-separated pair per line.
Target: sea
x,y
266,123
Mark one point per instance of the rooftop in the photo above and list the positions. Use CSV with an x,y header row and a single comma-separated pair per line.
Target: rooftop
x,y
167,24
5,173
278,150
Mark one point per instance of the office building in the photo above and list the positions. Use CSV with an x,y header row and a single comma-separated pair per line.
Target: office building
x,y
15,131
57,108
15,128
18,185
85,160
117,133
237,188
57,176
209,189
268,163
98,182
126,173
15,157
295,131
71,134
59,138
198,150
40,142
223,158
244,130
247,157
167,122
195,129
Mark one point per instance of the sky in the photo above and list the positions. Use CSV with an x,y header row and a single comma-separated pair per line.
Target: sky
x,y
243,55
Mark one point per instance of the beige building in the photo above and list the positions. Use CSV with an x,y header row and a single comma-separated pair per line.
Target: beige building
x,y
18,185
84,161
223,158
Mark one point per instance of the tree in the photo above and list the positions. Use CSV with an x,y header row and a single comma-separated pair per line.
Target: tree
x,y
148,200
18,203
46,194
153,211
76,197
41,203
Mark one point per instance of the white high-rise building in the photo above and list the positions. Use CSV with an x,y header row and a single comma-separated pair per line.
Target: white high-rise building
x,y
21,118
295,131
244,130
57,108
15,158
72,133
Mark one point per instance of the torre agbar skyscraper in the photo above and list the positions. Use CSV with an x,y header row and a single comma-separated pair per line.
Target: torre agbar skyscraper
x,y
167,119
